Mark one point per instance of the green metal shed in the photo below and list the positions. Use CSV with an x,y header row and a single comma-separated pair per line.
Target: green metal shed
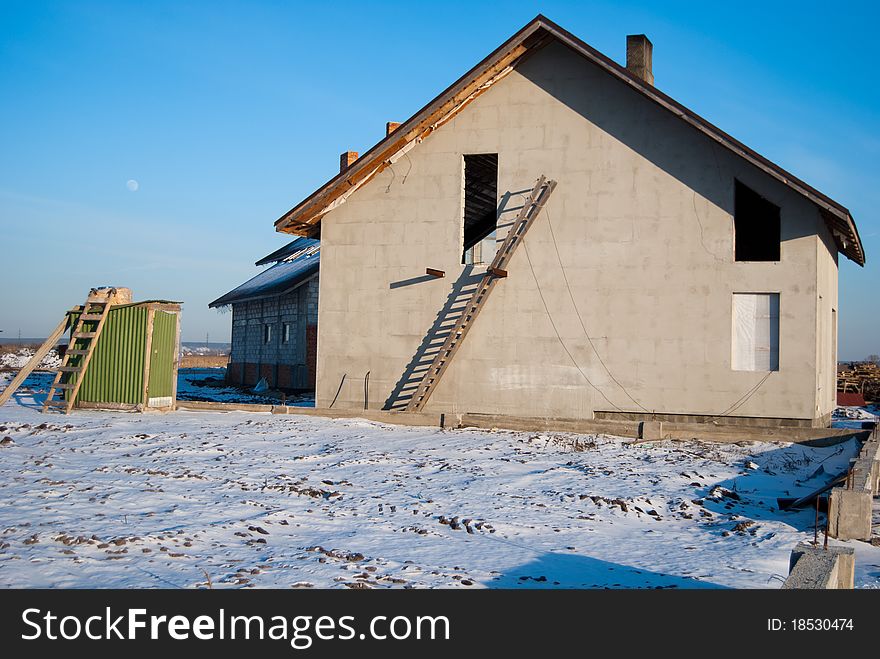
x,y
135,361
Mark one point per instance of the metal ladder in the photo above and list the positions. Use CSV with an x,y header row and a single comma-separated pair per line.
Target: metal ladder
x,y
524,219
82,346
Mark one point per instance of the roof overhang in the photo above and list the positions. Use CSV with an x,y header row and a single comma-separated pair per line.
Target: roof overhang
x,y
304,219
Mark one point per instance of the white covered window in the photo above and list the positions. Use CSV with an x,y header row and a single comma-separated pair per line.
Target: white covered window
x,y
756,331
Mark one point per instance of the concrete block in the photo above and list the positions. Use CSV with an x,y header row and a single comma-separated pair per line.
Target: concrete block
x,y
651,430
849,514
812,567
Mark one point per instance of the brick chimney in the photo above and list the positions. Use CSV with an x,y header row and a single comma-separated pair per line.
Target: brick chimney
x,y
346,160
390,127
639,57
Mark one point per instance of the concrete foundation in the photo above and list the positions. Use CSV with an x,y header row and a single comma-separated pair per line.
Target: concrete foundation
x,y
698,431
850,507
819,568
651,430
823,421
849,514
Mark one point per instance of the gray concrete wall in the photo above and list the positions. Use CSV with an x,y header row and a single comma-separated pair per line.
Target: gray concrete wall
x,y
827,314
299,308
642,218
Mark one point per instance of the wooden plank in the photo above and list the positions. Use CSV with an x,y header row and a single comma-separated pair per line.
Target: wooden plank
x,y
375,160
64,362
224,407
34,361
176,362
93,405
84,335
148,356
497,272
435,273
90,350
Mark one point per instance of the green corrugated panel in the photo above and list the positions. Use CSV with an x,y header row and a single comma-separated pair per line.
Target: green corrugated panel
x,y
116,370
163,349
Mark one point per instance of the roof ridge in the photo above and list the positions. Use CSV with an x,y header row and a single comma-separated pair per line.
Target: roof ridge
x,y
304,218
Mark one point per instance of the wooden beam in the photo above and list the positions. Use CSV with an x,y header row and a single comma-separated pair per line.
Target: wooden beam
x,y
498,272
34,361
176,360
435,273
151,315
371,163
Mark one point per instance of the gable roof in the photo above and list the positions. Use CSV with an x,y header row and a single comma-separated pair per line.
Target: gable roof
x,y
304,218
281,278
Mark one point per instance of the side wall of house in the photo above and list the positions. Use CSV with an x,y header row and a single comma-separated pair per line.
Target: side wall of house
x,y
827,313
621,299
285,365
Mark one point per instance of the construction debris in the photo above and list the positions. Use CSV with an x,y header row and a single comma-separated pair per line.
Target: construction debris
x,y
860,378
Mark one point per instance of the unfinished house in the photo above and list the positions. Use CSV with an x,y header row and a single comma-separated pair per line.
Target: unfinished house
x,y
552,236
274,320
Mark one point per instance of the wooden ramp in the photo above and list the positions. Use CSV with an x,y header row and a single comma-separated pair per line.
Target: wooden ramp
x,y
34,361
76,359
498,270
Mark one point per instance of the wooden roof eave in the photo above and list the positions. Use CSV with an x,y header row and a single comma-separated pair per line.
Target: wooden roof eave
x,y
304,217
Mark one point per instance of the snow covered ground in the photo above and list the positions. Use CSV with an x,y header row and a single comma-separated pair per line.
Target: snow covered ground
x,y
191,385
99,499
22,356
853,417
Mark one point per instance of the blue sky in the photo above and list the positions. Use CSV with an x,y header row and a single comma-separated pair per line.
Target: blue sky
x,y
228,113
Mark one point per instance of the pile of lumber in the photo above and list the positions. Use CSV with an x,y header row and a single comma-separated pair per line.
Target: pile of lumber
x,y
860,378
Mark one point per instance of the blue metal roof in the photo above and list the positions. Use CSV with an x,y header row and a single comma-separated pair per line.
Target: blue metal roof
x,y
283,252
282,277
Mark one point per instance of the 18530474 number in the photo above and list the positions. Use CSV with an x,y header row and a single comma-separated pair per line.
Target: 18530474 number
x,y
810,624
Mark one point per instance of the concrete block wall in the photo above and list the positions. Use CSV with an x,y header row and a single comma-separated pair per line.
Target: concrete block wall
x,y
850,508
640,228
818,568
282,364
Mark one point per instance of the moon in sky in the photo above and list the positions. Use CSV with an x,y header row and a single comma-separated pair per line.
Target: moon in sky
x,y
132,185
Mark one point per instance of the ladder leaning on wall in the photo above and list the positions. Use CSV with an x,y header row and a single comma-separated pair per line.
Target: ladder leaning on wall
x,y
84,338
524,219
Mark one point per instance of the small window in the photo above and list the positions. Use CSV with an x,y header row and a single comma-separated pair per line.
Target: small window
x,y
755,332
267,334
756,226
480,207
285,333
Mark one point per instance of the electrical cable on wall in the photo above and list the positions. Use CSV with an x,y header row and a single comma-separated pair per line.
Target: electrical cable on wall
x,y
580,318
742,400
738,403
341,382
556,331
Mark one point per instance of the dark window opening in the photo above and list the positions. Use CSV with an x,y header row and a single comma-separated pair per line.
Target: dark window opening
x,y
756,226
480,207
267,334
